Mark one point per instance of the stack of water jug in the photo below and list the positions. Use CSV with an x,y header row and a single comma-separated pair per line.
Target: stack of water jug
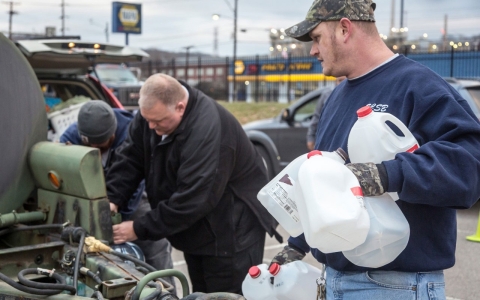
x,y
292,281
316,194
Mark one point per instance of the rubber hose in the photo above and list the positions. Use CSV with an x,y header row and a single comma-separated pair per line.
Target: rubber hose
x,y
29,290
156,293
142,269
163,273
60,285
137,261
94,277
97,295
133,259
76,268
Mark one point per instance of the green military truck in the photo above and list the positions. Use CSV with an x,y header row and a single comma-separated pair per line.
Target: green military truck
x,y
55,220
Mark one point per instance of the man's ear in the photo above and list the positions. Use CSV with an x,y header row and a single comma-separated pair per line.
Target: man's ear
x,y
345,26
180,106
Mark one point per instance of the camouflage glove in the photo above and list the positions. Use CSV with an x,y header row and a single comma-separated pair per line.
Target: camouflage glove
x,y
287,255
371,178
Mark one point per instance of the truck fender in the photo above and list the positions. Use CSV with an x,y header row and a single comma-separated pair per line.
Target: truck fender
x,y
261,139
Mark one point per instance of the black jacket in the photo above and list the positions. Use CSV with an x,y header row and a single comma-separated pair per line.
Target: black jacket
x,y
202,181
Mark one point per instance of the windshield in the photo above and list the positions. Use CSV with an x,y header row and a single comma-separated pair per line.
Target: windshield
x,y
115,74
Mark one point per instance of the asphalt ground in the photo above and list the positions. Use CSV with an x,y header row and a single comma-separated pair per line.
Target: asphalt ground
x,y
462,282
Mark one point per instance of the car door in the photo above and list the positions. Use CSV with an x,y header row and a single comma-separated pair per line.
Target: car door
x,y
291,138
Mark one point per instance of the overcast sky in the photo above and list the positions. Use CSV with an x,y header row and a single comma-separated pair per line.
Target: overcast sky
x,y
173,24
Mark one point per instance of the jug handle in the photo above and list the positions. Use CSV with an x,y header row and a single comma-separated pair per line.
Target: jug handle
x,y
404,129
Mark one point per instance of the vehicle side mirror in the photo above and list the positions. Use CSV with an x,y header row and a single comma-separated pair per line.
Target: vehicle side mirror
x,y
286,116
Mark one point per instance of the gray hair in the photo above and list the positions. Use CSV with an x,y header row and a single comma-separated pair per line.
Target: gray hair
x,y
163,88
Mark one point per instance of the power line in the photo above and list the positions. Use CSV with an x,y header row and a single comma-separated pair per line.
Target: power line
x,y
11,12
62,17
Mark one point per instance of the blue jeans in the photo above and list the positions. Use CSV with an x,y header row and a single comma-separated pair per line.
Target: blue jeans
x,y
381,285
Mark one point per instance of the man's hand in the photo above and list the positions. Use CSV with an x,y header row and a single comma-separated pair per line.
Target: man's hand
x,y
124,232
369,177
113,207
287,255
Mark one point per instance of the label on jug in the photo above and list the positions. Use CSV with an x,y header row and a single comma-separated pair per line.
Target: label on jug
x,y
283,192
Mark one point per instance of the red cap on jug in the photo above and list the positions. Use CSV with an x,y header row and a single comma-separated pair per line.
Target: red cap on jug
x,y
364,111
254,272
274,269
313,153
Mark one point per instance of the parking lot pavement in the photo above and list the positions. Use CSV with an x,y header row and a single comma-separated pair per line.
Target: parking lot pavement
x,y
462,281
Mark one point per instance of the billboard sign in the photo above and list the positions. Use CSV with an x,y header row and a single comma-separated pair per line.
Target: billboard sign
x,y
126,17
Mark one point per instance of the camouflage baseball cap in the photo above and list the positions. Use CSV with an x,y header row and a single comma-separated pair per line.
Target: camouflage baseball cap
x,y
331,10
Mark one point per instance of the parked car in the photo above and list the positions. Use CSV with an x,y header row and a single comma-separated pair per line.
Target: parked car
x,y
469,89
64,70
121,81
283,138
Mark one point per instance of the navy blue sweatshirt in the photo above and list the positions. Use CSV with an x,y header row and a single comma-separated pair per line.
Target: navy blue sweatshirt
x,y
439,177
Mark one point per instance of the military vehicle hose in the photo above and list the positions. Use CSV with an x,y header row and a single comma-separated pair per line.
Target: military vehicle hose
x,y
163,273
97,295
75,234
39,288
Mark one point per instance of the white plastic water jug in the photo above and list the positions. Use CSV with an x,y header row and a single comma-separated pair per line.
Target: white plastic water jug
x,y
388,235
330,204
257,285
295,280
371,139
278,197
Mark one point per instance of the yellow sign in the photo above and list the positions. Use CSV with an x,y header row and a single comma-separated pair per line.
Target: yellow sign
x,y
273,67
239,67
301,66
129,15
280,67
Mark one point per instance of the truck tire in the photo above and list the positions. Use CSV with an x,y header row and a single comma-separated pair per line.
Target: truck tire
x,y
267,160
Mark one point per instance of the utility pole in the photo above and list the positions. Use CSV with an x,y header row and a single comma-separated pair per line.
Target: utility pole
x,y
401,13
445,32
235,10
11,12
63,17
392,18
215,41
106,31
186,62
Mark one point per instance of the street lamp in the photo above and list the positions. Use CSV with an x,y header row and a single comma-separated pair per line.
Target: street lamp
x,y
216,17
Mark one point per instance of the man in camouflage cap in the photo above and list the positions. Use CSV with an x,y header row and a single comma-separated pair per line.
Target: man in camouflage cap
x,y
428,181
331,10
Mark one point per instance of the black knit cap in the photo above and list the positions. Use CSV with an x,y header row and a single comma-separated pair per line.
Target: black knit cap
x,y
96,122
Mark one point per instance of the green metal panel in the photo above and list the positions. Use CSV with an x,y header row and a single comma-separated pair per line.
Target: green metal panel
x,y
79,168
92,215
44,255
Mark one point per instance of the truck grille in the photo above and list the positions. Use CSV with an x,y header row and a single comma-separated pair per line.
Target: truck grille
x,y
129,96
